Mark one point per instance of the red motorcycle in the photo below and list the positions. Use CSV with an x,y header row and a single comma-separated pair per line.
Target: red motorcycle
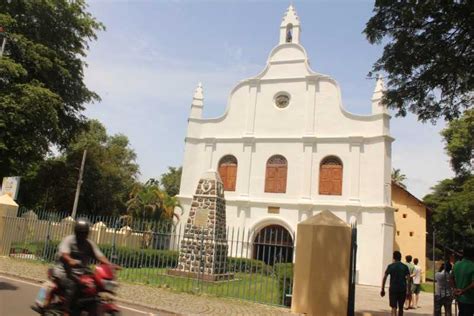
x,y
96,294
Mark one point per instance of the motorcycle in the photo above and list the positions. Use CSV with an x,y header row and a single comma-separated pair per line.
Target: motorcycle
x,y
96,294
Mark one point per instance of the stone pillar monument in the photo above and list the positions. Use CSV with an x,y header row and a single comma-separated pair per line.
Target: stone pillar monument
x,y
203,250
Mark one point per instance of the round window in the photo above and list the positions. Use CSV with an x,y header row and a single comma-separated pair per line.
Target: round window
x,y
282,100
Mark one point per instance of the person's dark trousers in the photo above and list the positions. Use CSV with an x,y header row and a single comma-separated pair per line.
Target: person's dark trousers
x,y
71,289
466,309
443,301
397,300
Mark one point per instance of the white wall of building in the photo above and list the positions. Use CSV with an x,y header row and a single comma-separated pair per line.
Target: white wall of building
x,y
313,126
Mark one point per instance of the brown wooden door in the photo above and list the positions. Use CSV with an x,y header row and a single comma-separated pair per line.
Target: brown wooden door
x,y
270,179
281,182
275,179
228,174
330,179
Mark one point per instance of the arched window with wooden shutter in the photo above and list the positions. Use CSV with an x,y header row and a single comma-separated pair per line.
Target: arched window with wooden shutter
x,y
276,173
228,172
330,176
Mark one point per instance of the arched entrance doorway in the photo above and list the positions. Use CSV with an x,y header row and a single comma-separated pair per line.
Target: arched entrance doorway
x,y
273,244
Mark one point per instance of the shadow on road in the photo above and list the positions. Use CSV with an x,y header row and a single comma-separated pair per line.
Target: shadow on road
x,y
7,286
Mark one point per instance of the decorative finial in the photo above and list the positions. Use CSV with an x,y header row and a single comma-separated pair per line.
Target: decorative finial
x,y
291,17
379,84
377,106
198,93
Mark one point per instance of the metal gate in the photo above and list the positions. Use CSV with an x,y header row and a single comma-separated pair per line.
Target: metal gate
x,y
352,271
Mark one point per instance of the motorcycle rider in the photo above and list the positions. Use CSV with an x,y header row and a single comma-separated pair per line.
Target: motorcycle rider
x,y
75,252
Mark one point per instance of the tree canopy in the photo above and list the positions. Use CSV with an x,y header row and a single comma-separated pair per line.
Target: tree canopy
x,y
452,204
109,175
451,200
42,90
171,180
150,201
459,139
428,56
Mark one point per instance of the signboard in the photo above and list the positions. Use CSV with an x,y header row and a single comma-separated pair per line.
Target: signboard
x,y
200,219
273,210
10,186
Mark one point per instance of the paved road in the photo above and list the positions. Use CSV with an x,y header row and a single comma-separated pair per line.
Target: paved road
x,y
17,295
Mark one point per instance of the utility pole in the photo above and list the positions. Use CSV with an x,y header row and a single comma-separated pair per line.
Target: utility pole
x,y
79,183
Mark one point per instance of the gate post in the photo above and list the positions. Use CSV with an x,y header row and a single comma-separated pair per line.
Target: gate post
x,y
8,206
322,265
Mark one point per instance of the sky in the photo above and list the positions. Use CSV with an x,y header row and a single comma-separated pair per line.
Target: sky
x,y
148,62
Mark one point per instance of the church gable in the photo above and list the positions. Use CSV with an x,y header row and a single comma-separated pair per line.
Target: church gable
x,y
313,101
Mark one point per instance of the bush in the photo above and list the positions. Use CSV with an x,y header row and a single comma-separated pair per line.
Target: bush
x,y
246,265
148,258
125,257
141,258
46,250
284,274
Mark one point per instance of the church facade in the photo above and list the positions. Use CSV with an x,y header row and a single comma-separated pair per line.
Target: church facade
x,y
286,150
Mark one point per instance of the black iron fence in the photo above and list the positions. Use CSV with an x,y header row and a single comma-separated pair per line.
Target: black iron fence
x,y
259,262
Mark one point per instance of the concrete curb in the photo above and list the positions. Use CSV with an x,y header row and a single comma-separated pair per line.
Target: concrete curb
x,y
119,299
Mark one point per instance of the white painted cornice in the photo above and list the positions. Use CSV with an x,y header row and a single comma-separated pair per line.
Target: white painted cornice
x,y
306,139
285,202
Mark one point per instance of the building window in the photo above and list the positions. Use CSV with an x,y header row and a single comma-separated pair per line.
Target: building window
x,y
275,176
282,100
404,215
228,172
398,233
411,234
330,176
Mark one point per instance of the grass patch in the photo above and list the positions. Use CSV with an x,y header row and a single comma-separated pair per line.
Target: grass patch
x,y
427,287
258,287
429,274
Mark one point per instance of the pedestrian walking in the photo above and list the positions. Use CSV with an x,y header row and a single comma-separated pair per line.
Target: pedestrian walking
x,y
416,288
443,290
411,269
397,291
463,280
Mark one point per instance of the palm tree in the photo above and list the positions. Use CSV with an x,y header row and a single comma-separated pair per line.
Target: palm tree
x,y
150,201
170,204
145,200
398,177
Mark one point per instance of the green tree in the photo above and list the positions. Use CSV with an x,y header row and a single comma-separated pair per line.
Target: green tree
x,y
428,55
145,200
171,180
42,91
453,206
452,200
398,177
109,174
149,201
459,138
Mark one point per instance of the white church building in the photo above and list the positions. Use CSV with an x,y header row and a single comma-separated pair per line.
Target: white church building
x,y
287,149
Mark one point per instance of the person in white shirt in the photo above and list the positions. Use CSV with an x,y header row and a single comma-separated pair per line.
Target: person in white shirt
x,y
416,283
443,290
